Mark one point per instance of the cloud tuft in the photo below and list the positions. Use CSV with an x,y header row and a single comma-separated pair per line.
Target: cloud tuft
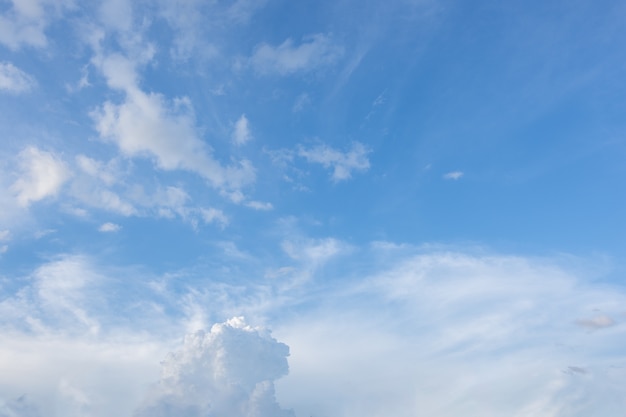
x,y
41,175
241,133
109,227
14,80
454,175
341,163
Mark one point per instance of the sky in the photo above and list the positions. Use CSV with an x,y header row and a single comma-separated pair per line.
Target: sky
x,y
272,208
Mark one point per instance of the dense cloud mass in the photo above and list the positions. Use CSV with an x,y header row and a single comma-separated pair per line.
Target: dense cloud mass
x,y
228,371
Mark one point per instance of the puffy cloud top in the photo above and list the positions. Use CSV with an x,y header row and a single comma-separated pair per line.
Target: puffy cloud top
x,y
228,371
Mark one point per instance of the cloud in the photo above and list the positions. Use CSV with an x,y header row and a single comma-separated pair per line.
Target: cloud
x,y
448,333
241,133
342,163
259,205
109,227
14,80
454,175
148,125
41,175
24,23
228,371
213,215
314,52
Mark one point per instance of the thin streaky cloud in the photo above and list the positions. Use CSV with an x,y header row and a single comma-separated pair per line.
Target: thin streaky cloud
x,y
453,175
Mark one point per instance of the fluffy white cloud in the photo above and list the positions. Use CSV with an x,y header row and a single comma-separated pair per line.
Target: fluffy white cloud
x,y
341,163
228,371
241,133
453,175
148,125
41,174
314,52
13,79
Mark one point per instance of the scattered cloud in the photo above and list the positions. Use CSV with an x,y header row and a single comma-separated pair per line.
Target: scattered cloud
x,y
41,175
229,370
343,164
314,52
259,205
453,175
24,22
213,215
241,132
14,80
109,227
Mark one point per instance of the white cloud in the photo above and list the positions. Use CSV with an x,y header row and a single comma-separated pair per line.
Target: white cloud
x,y
228,371
148,125
314,52
4,235
109,227
14,80
449,333
441,332
212,215
259,205
241,133
341,163
41,175
24,23
454,175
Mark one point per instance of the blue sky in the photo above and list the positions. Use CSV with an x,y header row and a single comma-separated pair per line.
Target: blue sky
x,y
311,208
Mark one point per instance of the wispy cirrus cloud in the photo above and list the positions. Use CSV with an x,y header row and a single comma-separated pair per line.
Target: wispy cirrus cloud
x,y
314,52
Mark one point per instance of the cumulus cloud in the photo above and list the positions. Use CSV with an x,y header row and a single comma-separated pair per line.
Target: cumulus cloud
x,y
343,164
41,175
228,371
14,80
149,125
454,175
314,52
109,227
241,133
